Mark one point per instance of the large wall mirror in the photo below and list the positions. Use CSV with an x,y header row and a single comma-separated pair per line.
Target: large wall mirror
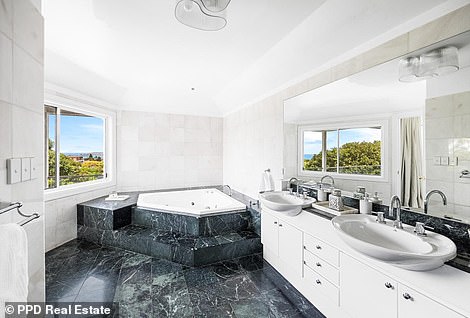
x,y
402,127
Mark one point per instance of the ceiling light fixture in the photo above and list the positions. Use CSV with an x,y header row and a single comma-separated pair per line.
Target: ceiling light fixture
x,y
435,63
206,15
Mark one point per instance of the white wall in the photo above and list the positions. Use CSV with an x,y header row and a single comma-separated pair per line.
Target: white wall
x,y
21,128
156,151
253,142
61,216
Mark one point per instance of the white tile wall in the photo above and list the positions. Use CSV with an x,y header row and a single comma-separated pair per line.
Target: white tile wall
x,y
168,151
21,131
61,217
448,134
253,142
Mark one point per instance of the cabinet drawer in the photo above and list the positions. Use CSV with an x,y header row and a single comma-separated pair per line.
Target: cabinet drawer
x,y
318,282
321,267
321,249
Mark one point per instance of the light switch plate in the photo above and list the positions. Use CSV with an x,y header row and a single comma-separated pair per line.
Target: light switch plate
x,y
444,161
34,169
436,160
25,169
453,161
13,170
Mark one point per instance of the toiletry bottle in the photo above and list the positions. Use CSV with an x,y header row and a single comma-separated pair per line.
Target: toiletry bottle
x,y
375,199
365,206
336,201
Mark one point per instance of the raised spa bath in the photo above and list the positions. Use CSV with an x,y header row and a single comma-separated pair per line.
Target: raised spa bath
x,y
197,203
191,227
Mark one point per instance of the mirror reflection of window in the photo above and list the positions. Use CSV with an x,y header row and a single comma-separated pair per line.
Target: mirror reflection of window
x,y
331,151
313,150
360,151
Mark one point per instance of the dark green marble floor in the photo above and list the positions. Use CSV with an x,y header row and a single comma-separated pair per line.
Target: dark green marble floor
x,y
79,271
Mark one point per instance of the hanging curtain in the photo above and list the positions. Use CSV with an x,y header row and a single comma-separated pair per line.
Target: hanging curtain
x,y
411,162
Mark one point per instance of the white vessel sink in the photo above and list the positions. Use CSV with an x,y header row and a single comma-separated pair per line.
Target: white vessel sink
x,y
284,202
399,247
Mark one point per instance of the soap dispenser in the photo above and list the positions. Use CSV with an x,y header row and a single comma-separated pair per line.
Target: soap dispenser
x,y
375,199
336,201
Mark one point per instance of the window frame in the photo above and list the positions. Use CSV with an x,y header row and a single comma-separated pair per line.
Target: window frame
x,y
384,146
92,109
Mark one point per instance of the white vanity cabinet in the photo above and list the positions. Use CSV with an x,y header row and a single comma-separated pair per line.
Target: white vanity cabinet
x,y
321,272
270,232
414,304
385,297
365,292
342,283
284,241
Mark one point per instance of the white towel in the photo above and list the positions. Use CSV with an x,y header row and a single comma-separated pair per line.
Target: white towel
x,y
13,265
267,182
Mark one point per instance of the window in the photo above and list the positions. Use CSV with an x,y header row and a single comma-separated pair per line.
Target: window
x,y
75,147
348,151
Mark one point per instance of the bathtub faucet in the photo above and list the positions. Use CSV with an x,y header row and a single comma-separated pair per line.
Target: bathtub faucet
x,y
229,189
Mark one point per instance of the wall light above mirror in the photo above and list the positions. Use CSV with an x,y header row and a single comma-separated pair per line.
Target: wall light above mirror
x,y
438,62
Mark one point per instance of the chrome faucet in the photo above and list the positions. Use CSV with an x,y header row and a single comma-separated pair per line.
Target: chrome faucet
x,y
229,189
296,182
327,176
397,223
428,195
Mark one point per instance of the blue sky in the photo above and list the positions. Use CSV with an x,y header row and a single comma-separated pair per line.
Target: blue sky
x,y
312,139
79,134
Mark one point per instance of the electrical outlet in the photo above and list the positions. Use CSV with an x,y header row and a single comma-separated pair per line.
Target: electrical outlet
x,y
13,170
444,161
34,169
436,160
25,169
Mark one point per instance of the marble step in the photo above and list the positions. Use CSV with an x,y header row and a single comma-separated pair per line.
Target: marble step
x,y
211,225
184,249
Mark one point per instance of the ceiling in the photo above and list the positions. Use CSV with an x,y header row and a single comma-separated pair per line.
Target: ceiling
x,y
135,55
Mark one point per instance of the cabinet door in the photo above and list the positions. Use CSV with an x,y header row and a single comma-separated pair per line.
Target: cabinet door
x,y
365,292
413,304
290,246
269,232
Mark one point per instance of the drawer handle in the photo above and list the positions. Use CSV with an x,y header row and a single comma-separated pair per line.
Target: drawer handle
x,y
318,247
388,285
318,264
318,282
280,224
407,296
275,222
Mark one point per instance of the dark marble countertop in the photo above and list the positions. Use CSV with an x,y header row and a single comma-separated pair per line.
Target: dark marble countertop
x,y
101,203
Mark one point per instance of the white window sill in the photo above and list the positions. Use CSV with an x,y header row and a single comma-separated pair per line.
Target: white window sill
x,y
319,175
75,189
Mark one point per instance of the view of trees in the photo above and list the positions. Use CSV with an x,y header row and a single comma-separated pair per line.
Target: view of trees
x,y
354,158
73,171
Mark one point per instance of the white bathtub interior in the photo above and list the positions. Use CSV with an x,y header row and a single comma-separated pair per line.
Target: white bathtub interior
x,y
197,202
